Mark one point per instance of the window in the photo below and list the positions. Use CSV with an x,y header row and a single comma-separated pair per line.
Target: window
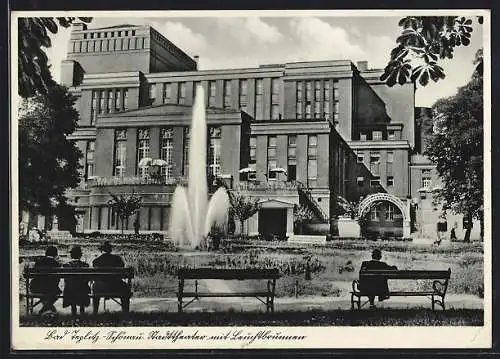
x,y
275,112
142,151
292,170
253,148
110,101
182,93
125,99
375,182
377,135
391,135
374,162
360,181
93,108
271,157
252,175
166,152
426,172
326,91
312,169
299,110
390,157
308,91
227,93
271,175
292,146
317,110
275,91
120,152
361,157
312,143
214,152
211,93
317,90
336,101
271,146
186,143
390,181
89,168
374,214
259,96
300,92
362,136
326,110
308,110
389,213
152,92
102,101
243,94
426,182
118,100
167,92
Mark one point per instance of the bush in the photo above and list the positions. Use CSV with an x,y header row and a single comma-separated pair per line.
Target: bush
x,y
128,237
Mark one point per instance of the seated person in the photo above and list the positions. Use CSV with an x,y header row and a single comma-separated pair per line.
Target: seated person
x,y
47,286
376,286
115,285
76,290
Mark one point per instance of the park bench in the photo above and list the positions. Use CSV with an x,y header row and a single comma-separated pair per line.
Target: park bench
x,y
436,294
227,274
90,274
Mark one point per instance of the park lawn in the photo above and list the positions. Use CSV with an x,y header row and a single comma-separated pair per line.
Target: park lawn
x,y
377,317
155,264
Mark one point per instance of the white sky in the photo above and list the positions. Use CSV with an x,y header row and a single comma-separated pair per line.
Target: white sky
x,y
233,42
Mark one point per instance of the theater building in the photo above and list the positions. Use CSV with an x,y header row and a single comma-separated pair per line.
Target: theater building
x,y
293,134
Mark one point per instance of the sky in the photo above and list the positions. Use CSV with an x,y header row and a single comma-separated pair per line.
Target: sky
x,y
234,42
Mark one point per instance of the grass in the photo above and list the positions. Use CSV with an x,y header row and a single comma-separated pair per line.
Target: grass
x,y
377,317
155,264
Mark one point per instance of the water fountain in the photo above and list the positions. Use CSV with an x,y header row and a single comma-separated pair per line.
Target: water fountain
x,y
193,214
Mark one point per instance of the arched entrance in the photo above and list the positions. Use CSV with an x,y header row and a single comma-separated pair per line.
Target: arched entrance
x,y
385,214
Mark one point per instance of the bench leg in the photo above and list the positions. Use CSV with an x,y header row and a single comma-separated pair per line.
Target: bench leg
x,y
95,304
433,303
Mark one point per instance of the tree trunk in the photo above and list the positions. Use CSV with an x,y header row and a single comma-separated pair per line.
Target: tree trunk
x,y
468,229
242,228
481,225
123,224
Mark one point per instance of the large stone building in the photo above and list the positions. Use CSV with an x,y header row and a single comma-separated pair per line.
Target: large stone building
x,y
289,134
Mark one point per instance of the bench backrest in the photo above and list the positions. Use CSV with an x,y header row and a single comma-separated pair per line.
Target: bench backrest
x,y
238,274
89,273
405,274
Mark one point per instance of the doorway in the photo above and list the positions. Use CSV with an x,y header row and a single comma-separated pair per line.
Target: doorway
x,y
272,222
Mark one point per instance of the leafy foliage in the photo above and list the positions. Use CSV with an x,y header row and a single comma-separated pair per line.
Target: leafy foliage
x,y
424,41
456,146
48,161
34,75
242,207
125,205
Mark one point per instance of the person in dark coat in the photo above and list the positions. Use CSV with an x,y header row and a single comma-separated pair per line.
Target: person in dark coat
x,y
76,291
115,285
47,286
376,286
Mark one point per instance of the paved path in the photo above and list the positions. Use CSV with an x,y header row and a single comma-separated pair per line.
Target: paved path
x,y
456,301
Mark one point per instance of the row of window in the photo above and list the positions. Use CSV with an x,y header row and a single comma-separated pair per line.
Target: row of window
x,y
145,170
133,43
105,34
168,95
291,171
377,136
389,210
319,100
375,182
106,101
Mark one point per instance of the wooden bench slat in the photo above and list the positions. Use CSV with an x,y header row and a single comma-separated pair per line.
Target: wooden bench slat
x,y
228,274
406,274
213,294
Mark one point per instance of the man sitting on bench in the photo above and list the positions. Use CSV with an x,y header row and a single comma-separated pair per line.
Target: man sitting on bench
x,y
376,286
48,287
114,285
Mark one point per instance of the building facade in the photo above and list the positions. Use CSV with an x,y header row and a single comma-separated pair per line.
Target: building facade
x,y
291,135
